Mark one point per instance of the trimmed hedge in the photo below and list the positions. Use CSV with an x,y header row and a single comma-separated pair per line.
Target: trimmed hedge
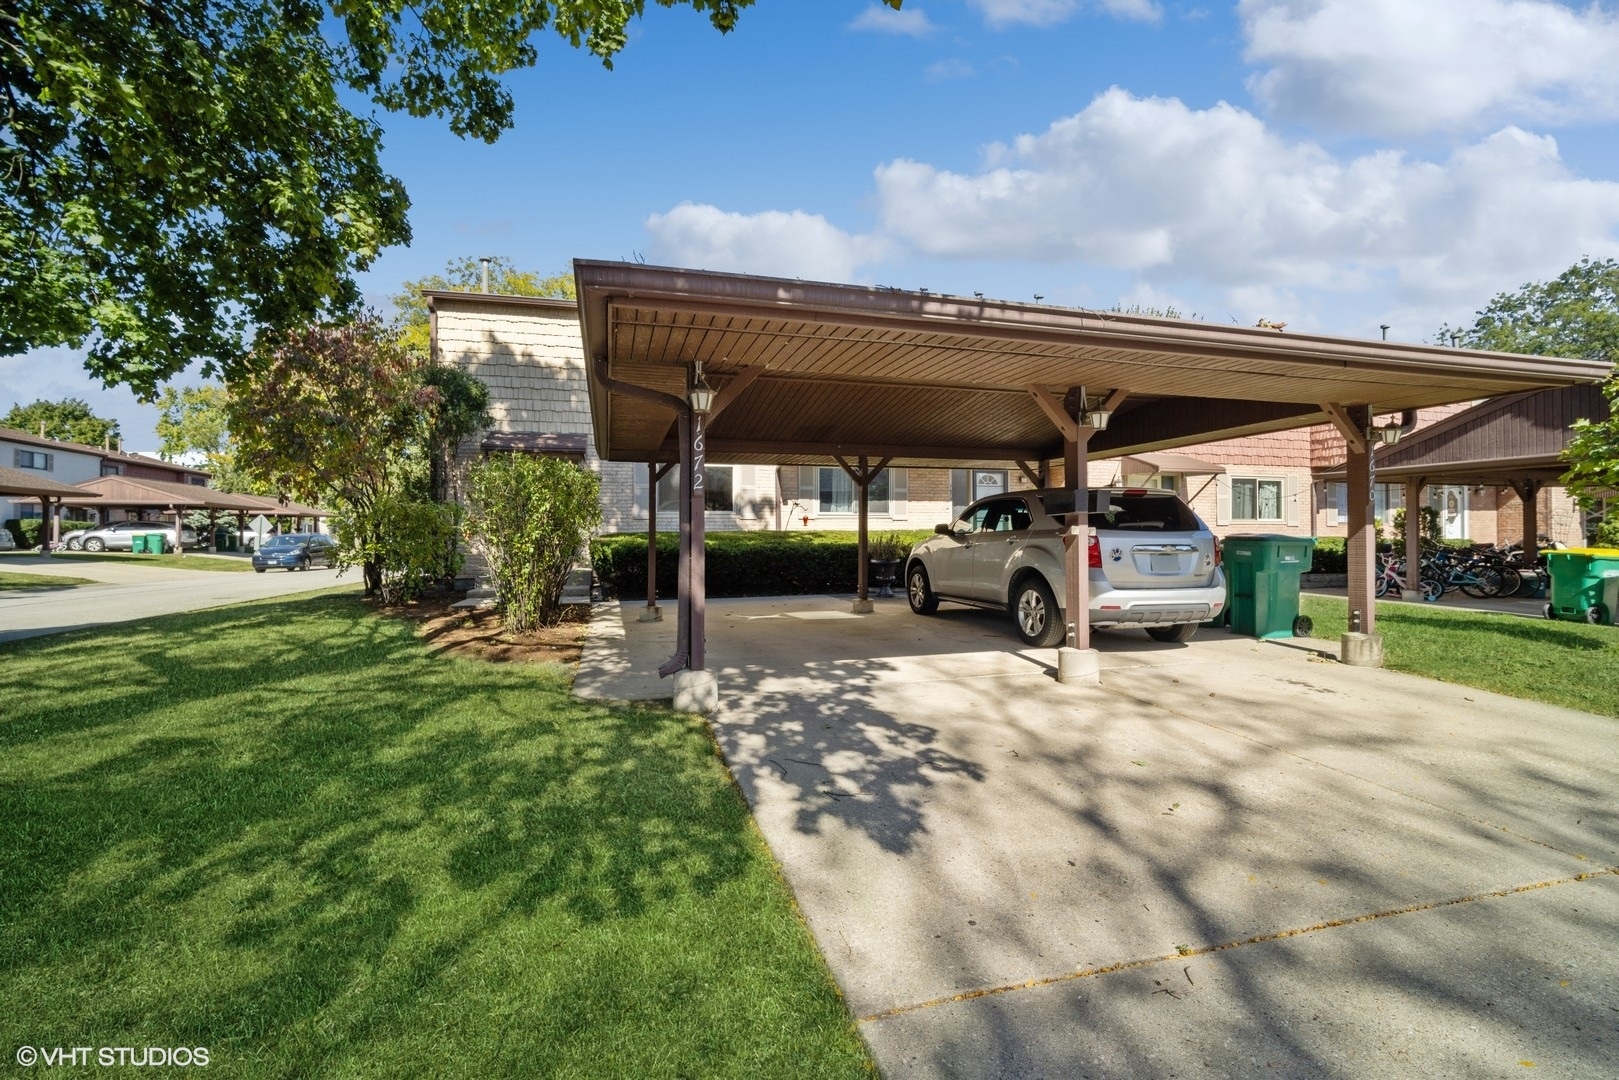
x,y
738,563
1331,555
26,531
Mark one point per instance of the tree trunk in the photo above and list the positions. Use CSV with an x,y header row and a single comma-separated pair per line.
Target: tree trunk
x,y
373,577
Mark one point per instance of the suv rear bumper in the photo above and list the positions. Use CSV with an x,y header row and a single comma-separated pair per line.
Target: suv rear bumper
x,y
1155,607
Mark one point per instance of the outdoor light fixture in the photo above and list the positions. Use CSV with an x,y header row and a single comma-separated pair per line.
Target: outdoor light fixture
x,y
1386,436
1095,418
701,395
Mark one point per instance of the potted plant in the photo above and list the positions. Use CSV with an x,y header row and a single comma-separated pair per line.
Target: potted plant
x,y
885,552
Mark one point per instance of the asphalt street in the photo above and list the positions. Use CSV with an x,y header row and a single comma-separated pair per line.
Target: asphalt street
x,y
132,590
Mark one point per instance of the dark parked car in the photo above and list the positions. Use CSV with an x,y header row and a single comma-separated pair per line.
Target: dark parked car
x,y
295,551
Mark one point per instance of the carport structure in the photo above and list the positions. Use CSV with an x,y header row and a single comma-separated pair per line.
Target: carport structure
x,y
131,493
29,485
1515,441
685,365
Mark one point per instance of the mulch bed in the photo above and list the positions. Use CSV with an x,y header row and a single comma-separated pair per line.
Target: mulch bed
x,y
479,634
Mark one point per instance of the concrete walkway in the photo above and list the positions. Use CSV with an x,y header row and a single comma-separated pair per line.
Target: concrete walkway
x,y
133,590
1233,858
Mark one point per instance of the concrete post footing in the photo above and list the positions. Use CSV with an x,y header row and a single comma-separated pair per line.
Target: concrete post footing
x,y
653,613
862,607
696,691
1361,650
1079,666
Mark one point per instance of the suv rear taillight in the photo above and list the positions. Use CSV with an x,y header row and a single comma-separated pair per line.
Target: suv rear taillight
x,y
1219,555
1095,549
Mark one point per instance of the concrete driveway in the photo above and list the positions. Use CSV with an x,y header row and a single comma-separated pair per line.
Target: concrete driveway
x,y
132,590
1234,858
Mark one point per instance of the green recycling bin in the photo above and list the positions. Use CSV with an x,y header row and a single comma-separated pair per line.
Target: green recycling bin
x,y
137,544
156,543
1585,585
1262,575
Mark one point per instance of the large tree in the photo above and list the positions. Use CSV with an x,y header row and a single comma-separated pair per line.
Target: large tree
x,y
180,175
329,415
196,420
69,419
1574,315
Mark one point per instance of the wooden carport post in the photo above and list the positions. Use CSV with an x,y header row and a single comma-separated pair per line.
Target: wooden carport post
x,y
1413,534
1077,662
654,473
862,475
1529,495
1362,645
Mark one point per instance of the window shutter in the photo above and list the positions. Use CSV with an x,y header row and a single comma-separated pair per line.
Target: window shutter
x,y
1222,500
1290,497
640,496
898,492
809,488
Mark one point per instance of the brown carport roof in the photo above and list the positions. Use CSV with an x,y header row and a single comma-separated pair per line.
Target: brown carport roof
x,y
132,491
939,380
32,485
1513,438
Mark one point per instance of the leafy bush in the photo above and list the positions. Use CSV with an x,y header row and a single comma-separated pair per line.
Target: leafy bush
x,y
740,563
404,539
1331,555
1429,528
529,517
1607,533
28,531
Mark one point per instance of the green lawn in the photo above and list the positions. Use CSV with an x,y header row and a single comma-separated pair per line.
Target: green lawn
x,y
10,579
1562,663
173,561
286,832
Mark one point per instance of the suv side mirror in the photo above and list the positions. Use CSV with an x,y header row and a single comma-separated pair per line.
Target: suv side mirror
x,y
942,529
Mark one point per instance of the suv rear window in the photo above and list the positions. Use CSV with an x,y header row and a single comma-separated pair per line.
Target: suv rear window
x,y
1141,511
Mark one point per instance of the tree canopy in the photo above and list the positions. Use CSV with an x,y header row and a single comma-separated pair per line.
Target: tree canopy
x,y
1574,315
69,419
196,420
182,175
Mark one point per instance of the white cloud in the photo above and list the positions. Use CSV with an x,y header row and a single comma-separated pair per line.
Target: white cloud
x,y
1213,197
1414,66
1051,12
772,243
912,22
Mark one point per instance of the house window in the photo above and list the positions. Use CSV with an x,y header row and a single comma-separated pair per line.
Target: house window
x,y
32,459
111,468
1387,498
839,495
1256,500
717,488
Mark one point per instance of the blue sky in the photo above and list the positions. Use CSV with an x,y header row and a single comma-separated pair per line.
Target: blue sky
x,y
1330,164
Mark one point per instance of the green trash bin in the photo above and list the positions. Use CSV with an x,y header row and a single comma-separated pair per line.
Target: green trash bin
x,y
137,544
1585,585
1262,575
156,543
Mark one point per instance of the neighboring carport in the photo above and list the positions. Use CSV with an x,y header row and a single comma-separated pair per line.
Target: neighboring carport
x,y
686,365
130,493
27,485
1515,441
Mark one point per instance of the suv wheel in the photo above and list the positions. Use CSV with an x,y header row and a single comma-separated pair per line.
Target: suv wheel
x,y
95,543
919,592
1178,632
1039,622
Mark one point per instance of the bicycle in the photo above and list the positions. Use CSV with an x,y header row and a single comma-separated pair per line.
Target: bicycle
x,y
1391,577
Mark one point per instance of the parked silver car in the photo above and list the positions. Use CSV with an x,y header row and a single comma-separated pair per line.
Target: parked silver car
x,y
120,536
1153,563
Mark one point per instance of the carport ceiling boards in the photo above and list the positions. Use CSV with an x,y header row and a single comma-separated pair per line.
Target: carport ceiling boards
x,y
927,379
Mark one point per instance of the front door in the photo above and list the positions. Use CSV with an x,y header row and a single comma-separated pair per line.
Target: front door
x,y
1450,500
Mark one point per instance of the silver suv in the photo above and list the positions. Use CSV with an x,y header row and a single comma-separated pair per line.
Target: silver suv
x,y
120,536
1153,563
